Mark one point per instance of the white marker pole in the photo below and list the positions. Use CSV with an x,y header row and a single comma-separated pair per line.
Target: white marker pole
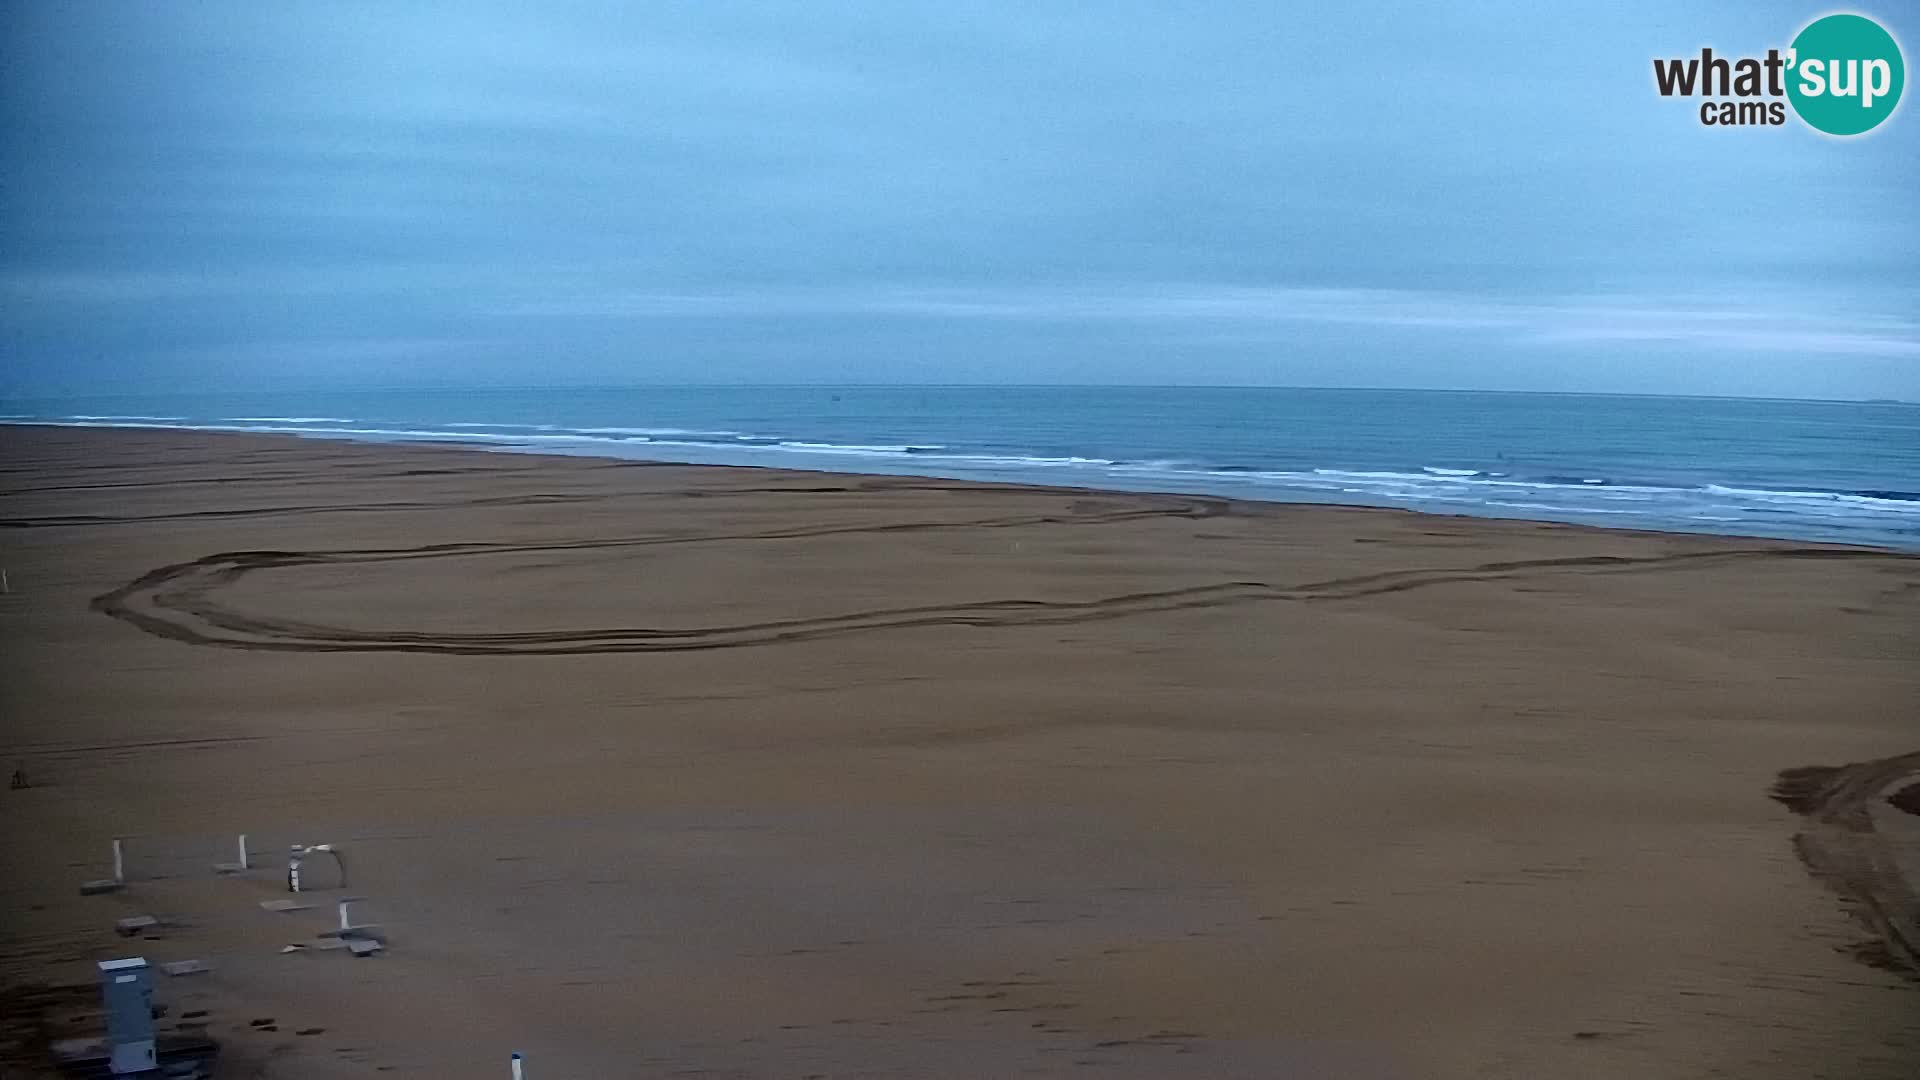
x,y
518,1073
119,862
346,923
243,851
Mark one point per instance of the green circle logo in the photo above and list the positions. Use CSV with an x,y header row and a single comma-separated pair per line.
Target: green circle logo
x,y
1845,74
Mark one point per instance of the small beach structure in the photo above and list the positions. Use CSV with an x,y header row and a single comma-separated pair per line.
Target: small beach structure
x,y
131,1046
114,883
298,854
239,867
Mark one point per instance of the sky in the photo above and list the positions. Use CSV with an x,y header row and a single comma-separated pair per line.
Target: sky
x,y
242,196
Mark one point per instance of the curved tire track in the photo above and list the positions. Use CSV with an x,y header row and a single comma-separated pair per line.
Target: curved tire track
x,y
68,520
1841,846
175,601
179,601
54,521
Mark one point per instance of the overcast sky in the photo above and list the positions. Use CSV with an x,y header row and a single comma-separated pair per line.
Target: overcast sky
x,y
257,196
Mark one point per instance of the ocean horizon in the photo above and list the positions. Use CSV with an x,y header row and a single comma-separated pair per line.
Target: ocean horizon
x,y
1840,471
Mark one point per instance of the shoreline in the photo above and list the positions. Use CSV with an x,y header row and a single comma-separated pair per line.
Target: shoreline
x,y
763,772
501,446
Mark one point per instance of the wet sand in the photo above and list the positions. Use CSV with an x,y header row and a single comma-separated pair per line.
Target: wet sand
x,y
654,770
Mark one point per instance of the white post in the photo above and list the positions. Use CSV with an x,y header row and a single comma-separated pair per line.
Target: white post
x,y
119,862
346,923
243,851
517,1073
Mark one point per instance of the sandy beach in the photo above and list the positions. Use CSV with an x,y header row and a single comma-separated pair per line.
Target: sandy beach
x,y
664,770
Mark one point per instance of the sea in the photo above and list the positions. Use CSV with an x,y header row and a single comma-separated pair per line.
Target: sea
x,y
1814,470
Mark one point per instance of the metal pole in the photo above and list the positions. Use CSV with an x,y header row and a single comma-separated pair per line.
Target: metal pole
x,y
119,862
518,1074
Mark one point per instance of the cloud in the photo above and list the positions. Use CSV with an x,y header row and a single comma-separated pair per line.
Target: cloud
x,y
1242,311
773,192
86,288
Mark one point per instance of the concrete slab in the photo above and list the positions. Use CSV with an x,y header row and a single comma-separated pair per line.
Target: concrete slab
x,y
134,924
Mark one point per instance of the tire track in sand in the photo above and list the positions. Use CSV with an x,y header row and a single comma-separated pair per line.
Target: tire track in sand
x,y
180,602
55,521
1842,847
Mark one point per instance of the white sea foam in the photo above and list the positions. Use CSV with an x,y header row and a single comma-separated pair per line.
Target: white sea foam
x,y
287,420
858,448
1894,506
1017,461
1556,507
646,431
143,425
283,429
527,436
158,419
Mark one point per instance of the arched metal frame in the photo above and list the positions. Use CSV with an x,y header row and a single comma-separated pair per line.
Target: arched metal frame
x,y
298,854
